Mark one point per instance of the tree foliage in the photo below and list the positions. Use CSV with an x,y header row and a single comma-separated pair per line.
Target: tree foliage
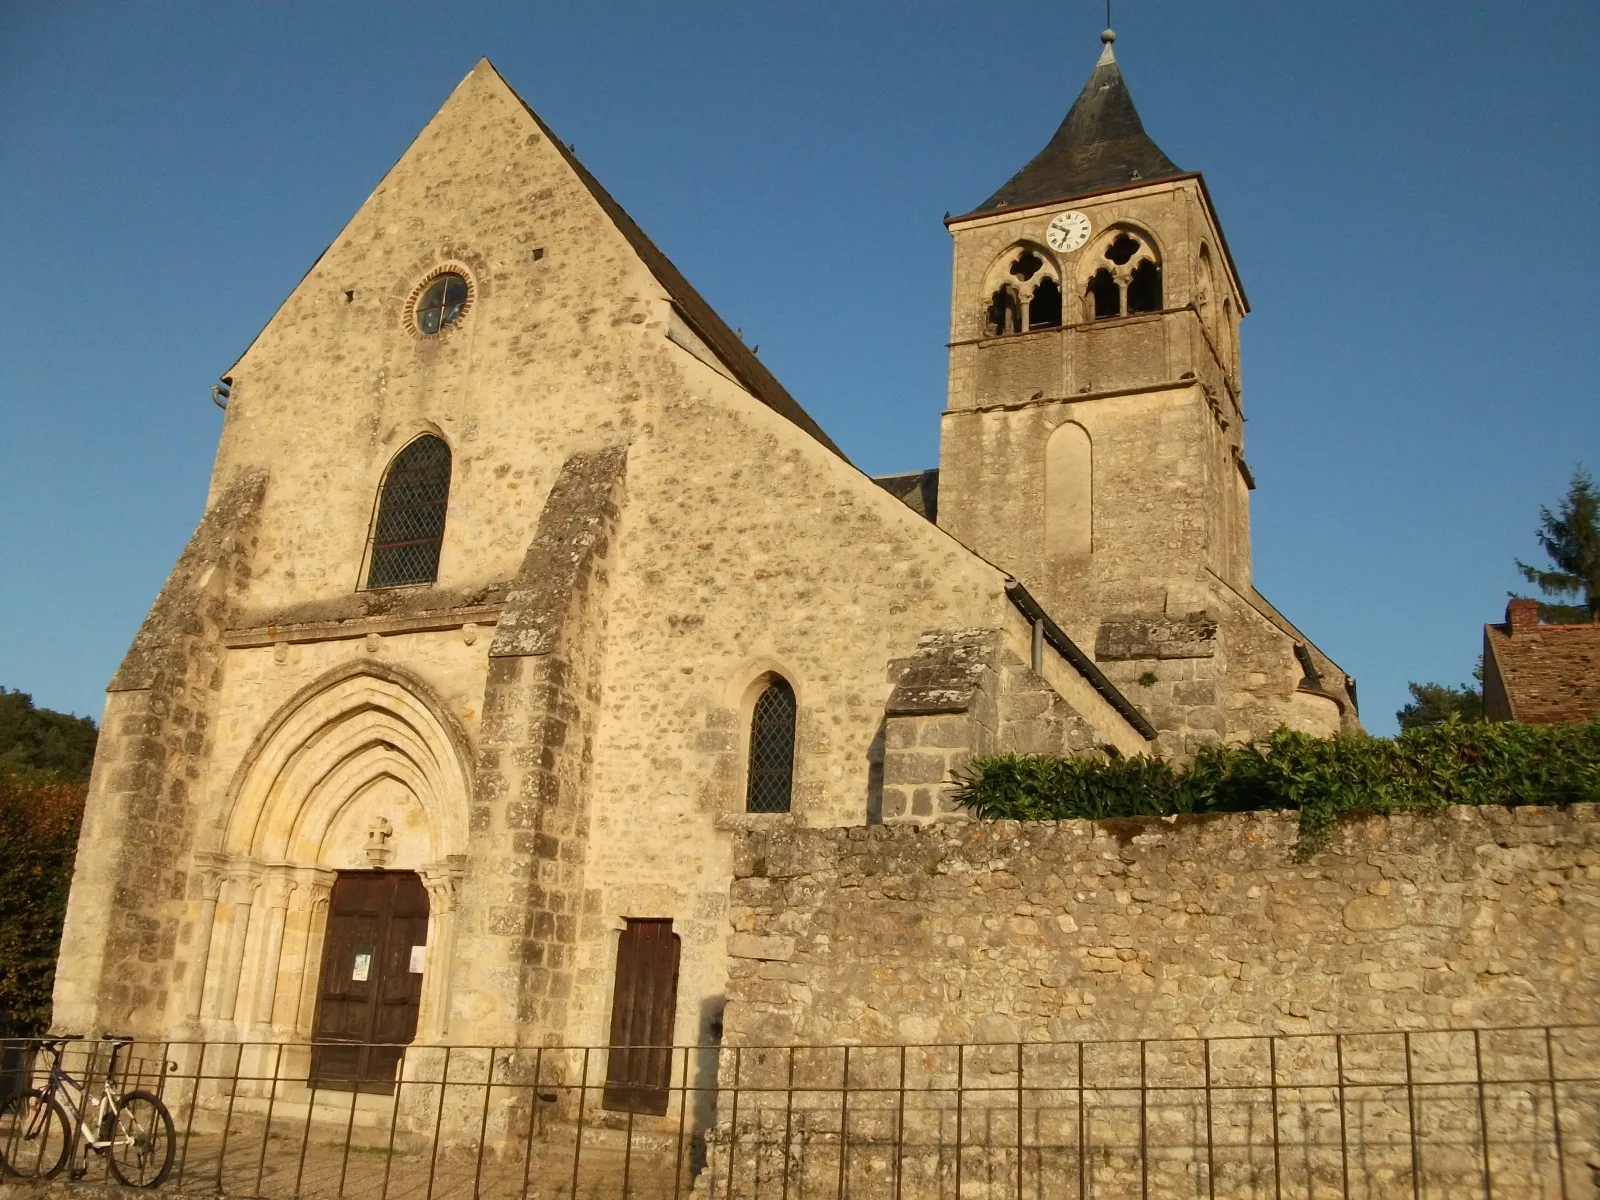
x,y
37,741
39,821
1570,537
1436,703
1454,762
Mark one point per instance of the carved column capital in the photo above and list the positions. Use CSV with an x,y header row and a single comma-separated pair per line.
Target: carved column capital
x,y
314,885
443,881
244,877
211,870
280,884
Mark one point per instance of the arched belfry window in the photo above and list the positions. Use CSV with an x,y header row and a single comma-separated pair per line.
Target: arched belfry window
x,y
1023,287
1125,279
772,749
409,528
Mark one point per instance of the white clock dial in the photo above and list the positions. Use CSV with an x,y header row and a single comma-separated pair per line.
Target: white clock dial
x,y
1067,232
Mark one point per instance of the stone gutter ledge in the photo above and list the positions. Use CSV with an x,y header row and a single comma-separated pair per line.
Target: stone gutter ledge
x,y
359,627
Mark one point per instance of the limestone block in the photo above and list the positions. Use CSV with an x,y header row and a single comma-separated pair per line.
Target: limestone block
x,y
747,945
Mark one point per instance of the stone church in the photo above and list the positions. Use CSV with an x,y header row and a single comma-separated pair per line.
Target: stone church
x,y
522,586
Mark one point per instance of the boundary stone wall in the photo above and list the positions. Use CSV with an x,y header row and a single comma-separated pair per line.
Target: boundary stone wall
x,y
1178,927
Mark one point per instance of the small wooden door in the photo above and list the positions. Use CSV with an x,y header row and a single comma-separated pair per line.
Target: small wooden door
x,y
370,988
643,1005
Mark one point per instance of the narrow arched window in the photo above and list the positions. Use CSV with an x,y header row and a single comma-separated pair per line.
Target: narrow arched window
x,y
1144,288
1227,335
1004,317
1104,294
411,507
1044,309
772,750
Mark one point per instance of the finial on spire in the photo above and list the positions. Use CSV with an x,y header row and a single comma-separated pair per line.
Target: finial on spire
x,y
1108,36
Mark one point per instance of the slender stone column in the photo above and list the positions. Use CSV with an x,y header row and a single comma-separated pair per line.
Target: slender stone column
x,y
210,869
244,877
443,881
315,889
280,885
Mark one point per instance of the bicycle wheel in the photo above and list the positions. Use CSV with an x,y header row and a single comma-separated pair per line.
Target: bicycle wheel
x,y
34,1136
142,1141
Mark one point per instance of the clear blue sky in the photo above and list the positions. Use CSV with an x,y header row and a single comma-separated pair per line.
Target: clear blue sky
x,y
1411,192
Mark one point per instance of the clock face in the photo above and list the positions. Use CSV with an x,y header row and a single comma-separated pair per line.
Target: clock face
x,y
1067,232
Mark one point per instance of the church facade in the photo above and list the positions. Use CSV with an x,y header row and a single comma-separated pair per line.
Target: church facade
x,y
522,586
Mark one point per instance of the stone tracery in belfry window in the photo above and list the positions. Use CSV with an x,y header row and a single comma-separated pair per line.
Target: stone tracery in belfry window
x,y
1123,276
1023,292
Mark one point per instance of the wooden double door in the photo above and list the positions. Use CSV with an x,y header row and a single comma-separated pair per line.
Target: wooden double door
x,y
369,992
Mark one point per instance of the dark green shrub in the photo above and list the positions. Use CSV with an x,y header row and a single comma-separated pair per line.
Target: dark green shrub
x,y
1455,762
39,820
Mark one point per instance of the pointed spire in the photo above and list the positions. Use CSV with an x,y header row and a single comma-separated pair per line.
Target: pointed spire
x,y
1101,144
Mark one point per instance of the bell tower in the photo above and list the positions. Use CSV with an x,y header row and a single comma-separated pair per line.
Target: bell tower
x,y
1092,440
1092,443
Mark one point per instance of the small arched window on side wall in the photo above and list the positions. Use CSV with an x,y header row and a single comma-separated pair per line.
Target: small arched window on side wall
x,y
771,780
409,527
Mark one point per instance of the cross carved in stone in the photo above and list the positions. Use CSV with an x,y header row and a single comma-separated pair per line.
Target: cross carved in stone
x,y
378,851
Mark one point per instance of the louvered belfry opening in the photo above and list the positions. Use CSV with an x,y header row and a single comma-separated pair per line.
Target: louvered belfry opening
x,y
411,511
772,750
644,1003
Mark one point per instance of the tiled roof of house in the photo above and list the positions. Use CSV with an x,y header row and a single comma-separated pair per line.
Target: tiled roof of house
x,y
1550,673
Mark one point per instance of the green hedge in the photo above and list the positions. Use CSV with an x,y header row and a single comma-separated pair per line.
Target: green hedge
x,y
1454,763
39,820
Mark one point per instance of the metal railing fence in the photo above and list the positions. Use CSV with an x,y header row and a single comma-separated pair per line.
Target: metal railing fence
x,y
1488,1112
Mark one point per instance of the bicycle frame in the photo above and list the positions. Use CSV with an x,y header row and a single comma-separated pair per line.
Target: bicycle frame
x,y
75,1094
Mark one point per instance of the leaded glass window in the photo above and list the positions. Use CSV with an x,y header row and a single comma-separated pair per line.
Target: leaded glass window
x,y
772,750
411,508
441,303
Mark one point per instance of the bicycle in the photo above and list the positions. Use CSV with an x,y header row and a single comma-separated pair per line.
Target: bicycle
x,y
132,1130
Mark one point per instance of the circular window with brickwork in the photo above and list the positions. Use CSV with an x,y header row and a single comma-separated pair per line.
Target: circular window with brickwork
x,y
440,302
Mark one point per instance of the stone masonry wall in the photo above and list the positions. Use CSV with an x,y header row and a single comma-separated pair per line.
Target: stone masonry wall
x,y
964,693
530,820
1081,964
995,932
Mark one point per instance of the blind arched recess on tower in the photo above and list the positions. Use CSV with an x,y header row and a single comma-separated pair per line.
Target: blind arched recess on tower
x,y
772,750
1068,493
409,528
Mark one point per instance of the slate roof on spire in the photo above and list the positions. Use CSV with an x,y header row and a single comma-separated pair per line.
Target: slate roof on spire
x,y
1100,145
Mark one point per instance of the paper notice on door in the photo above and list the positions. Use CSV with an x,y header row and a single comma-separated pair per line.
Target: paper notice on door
x,y
419,956
362,970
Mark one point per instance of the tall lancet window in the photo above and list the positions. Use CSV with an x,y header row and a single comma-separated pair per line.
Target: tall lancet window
x,y
772,749
409,528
